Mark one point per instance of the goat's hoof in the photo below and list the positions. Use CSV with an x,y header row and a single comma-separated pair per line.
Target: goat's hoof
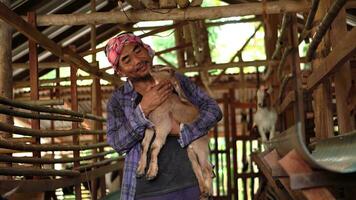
x,y
204,196
139,174
151,174
150,178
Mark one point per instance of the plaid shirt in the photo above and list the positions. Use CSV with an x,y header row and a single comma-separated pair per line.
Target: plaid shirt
x,y
126,126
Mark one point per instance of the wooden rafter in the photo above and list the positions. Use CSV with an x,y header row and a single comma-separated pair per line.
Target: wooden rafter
x,y
66,54
191,13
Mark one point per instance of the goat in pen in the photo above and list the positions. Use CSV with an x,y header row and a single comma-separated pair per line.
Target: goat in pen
x,y
265,117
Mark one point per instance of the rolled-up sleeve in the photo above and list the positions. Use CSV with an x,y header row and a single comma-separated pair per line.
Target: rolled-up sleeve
x,y
124,128
209,112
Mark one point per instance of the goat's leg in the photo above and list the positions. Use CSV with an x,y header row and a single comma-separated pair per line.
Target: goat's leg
x,y
196,167
162,130
272,132
262,134
145,146
201,149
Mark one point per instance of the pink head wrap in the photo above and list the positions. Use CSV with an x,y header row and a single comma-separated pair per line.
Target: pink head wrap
x,y
115,45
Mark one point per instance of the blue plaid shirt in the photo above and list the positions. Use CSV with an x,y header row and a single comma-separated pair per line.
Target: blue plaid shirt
x,y
126,126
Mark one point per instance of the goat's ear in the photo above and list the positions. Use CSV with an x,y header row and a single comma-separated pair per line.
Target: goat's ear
x,y
270,89
262,87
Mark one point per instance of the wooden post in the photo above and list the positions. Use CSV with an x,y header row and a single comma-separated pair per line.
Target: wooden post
x,y
227,143
96,109
6,83
33,62
234,140
178,34
342,77
189,51
5,66
299,114
322,95
75,125
271,37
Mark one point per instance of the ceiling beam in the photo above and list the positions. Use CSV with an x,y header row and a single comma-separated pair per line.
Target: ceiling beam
x,y
66,54
191,13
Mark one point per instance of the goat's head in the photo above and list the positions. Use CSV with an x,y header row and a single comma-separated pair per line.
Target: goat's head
x,y
160,73
263,95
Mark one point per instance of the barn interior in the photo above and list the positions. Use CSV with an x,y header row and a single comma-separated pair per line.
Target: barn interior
x,y
55,84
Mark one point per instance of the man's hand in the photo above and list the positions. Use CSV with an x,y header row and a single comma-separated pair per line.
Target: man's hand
x,y
155,95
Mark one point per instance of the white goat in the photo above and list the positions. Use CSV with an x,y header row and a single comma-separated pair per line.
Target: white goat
x,y
265,117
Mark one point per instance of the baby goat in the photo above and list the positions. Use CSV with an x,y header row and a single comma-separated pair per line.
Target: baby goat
x,y
178,107
265,117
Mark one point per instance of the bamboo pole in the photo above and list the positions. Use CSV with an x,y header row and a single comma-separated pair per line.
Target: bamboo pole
x,y
11,112
45,147
309,22
283,86
97,164
47,133
155,31
6,158
45,102
191,13
32,107
27,171
286,52
279,44
324,26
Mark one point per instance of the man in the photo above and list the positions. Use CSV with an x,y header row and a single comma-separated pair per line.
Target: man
x,y
127,111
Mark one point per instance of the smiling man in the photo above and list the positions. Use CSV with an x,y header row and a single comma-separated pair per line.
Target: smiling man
x,y
127,111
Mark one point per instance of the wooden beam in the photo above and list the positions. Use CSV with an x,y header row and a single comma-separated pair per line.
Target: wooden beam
x,y
342,52
66,54
207,67
343,76
322,106
191,13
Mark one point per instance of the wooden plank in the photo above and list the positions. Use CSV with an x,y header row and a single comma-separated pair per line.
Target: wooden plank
x,y
342,52
67,55
191,13
322,178
292,163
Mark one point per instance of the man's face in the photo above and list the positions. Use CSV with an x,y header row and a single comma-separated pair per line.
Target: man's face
x,y
134,61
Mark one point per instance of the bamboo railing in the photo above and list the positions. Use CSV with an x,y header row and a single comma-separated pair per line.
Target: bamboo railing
x,y
34,166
